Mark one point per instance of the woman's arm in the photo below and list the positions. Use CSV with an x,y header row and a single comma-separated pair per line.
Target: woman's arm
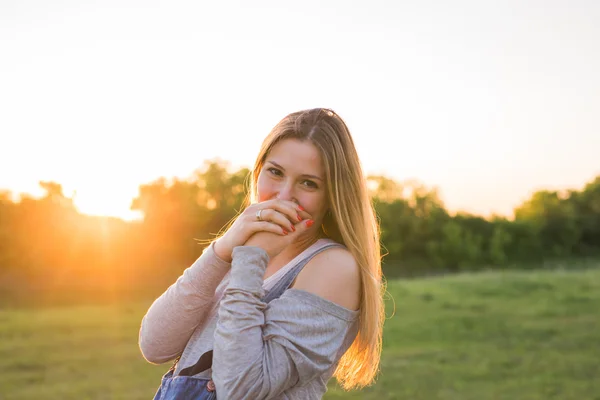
x,y
173,317
262,350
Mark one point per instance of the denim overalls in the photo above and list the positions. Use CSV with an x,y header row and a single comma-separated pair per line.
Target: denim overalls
x,y
188,387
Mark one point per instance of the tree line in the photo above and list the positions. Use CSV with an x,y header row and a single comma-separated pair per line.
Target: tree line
x,y
48,247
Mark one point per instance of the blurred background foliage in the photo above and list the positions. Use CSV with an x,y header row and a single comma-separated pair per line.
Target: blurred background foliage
x,y
49,252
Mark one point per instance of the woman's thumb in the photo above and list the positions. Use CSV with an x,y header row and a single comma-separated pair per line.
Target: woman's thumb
x,y
304,225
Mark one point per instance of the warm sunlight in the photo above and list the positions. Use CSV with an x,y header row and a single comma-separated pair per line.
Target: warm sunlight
x,y
100,201
475,121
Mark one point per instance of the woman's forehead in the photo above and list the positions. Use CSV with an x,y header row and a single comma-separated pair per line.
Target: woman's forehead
x,y
297,155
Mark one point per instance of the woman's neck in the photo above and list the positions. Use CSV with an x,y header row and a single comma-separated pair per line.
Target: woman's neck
x,y
289,253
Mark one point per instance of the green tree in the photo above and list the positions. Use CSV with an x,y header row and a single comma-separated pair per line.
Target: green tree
x,y
553,219
586,207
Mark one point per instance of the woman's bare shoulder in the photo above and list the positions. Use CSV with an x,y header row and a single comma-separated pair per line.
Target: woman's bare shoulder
x,y
334,275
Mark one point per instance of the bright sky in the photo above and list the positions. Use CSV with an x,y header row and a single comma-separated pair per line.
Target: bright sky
x,y
487,100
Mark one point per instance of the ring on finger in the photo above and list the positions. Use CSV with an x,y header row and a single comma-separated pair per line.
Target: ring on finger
x,y
258,217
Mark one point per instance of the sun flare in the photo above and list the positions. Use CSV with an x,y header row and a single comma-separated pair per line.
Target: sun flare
x,y
105,204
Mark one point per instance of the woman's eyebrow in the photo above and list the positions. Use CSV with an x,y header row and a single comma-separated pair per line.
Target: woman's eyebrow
x,y
304,175
275,164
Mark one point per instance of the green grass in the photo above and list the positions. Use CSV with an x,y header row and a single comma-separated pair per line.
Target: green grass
x,y
515,335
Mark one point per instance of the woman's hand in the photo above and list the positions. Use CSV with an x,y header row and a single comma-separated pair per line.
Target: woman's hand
x,y
278,217
273,244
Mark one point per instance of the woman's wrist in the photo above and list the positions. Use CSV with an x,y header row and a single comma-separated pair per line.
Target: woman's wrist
x,y
222,250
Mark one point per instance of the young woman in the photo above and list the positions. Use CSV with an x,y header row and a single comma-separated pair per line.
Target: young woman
x,y
291,294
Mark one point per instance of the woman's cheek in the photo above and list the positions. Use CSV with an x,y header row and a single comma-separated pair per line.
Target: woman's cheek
x,y
263,189
263,195
313,205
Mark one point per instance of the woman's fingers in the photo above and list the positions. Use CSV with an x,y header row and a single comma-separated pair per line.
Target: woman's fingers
x,y
266,226
294,212
277,218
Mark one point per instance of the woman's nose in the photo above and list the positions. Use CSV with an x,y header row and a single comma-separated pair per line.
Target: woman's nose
x,y
286,192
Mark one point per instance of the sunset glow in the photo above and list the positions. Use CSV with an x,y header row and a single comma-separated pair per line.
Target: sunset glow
x,y
105,204
487,109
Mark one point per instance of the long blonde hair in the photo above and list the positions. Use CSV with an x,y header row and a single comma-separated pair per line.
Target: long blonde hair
x,y
352,222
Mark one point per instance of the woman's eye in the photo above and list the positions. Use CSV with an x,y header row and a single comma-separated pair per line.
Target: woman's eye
x,y
310,184
274,171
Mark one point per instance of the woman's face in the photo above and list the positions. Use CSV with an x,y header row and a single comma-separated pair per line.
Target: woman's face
x,y
293,170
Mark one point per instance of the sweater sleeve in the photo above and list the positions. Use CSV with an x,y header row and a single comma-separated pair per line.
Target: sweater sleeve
x,y
262,350
172,318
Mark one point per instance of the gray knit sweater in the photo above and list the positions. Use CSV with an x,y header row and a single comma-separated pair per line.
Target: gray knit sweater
x,y
286,349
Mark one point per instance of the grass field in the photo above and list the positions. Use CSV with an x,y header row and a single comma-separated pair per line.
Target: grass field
x,y
516,335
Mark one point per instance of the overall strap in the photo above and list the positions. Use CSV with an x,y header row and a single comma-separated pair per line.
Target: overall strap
x,y
284,283
205,360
